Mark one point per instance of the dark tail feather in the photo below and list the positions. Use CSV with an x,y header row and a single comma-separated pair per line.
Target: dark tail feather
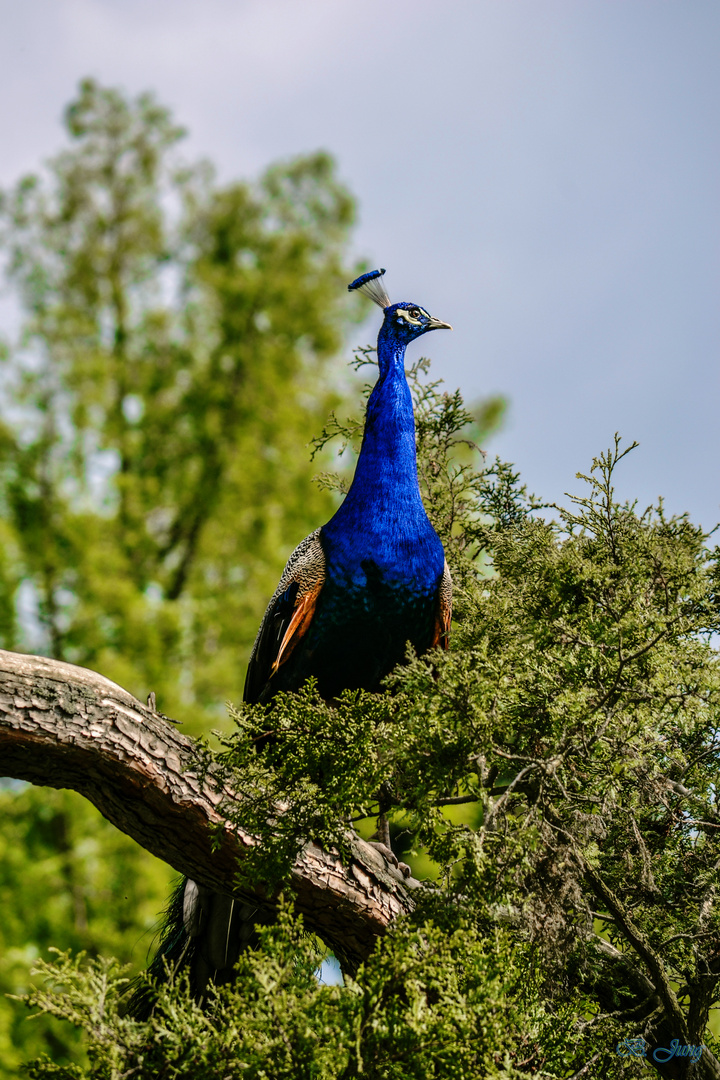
x,y
203,935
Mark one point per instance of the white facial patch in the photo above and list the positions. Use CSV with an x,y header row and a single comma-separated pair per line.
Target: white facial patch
x,y
403,313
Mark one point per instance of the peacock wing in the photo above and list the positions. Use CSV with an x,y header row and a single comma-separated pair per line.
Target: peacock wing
x,y
288,615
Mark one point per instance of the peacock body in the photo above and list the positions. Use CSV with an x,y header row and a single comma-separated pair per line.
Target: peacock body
x,y
351,597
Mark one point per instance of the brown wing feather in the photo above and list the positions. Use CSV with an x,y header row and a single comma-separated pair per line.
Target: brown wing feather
x,y
443,614
300,621
288,614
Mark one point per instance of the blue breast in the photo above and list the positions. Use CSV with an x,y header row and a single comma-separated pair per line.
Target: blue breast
x,y
384,559
382,519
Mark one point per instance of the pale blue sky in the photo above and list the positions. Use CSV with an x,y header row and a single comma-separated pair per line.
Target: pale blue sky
x,y
541,173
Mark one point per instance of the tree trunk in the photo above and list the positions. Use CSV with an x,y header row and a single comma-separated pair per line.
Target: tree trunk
x,y
67,727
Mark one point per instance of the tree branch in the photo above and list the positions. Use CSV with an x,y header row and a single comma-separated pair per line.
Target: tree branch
x,y
67,727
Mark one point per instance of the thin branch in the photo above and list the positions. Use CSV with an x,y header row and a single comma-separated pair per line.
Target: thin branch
x,y
585,1070
456,800
639,942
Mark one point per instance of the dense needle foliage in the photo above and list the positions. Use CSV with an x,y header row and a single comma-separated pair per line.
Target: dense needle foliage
x,y
555,775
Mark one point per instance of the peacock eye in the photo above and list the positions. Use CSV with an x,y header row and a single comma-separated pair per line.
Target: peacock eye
x,y
414,313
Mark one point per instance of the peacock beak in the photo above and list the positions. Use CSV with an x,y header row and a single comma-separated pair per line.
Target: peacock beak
x,y
437,324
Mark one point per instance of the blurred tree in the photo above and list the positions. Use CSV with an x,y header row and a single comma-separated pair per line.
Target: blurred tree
x,y
172,361
66,875
173,357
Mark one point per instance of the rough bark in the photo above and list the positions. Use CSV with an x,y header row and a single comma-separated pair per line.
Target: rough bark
x,y
67,727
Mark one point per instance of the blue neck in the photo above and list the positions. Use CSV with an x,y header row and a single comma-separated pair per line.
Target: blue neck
x,y
382,522
385,480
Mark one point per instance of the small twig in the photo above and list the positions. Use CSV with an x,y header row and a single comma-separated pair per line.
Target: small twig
x,y
456,800
584,1070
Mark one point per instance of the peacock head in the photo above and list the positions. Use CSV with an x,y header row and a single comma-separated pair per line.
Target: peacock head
x,y
403,322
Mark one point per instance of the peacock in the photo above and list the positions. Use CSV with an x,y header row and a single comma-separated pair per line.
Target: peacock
x,y
351,597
